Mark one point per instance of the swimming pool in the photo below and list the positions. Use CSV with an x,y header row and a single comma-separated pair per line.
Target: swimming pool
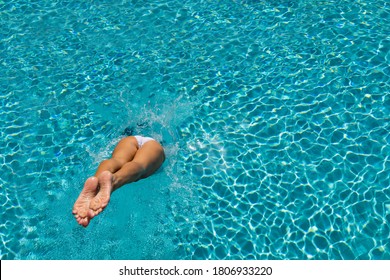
x,y
274,116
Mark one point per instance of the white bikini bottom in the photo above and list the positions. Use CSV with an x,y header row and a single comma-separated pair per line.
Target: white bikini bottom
x,y
142,140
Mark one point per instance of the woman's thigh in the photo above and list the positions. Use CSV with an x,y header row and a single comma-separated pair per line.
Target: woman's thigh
x,y
126,149
150,156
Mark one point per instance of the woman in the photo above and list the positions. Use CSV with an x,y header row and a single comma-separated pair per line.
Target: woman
x,y
134,158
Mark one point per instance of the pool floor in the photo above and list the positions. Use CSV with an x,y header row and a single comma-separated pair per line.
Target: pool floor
x,y
274,116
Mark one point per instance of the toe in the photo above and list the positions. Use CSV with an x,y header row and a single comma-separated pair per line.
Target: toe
x,y
84,222
91,214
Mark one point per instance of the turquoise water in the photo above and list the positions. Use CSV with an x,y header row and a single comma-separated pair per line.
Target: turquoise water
x,y
274,116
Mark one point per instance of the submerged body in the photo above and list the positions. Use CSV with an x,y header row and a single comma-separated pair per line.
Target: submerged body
x,y
134,158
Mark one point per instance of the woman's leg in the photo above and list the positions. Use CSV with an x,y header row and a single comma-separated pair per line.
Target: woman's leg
x,y
128,164
145,162
123,152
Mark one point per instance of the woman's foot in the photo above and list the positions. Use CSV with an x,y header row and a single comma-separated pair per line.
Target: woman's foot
x,y
81,208
101,199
